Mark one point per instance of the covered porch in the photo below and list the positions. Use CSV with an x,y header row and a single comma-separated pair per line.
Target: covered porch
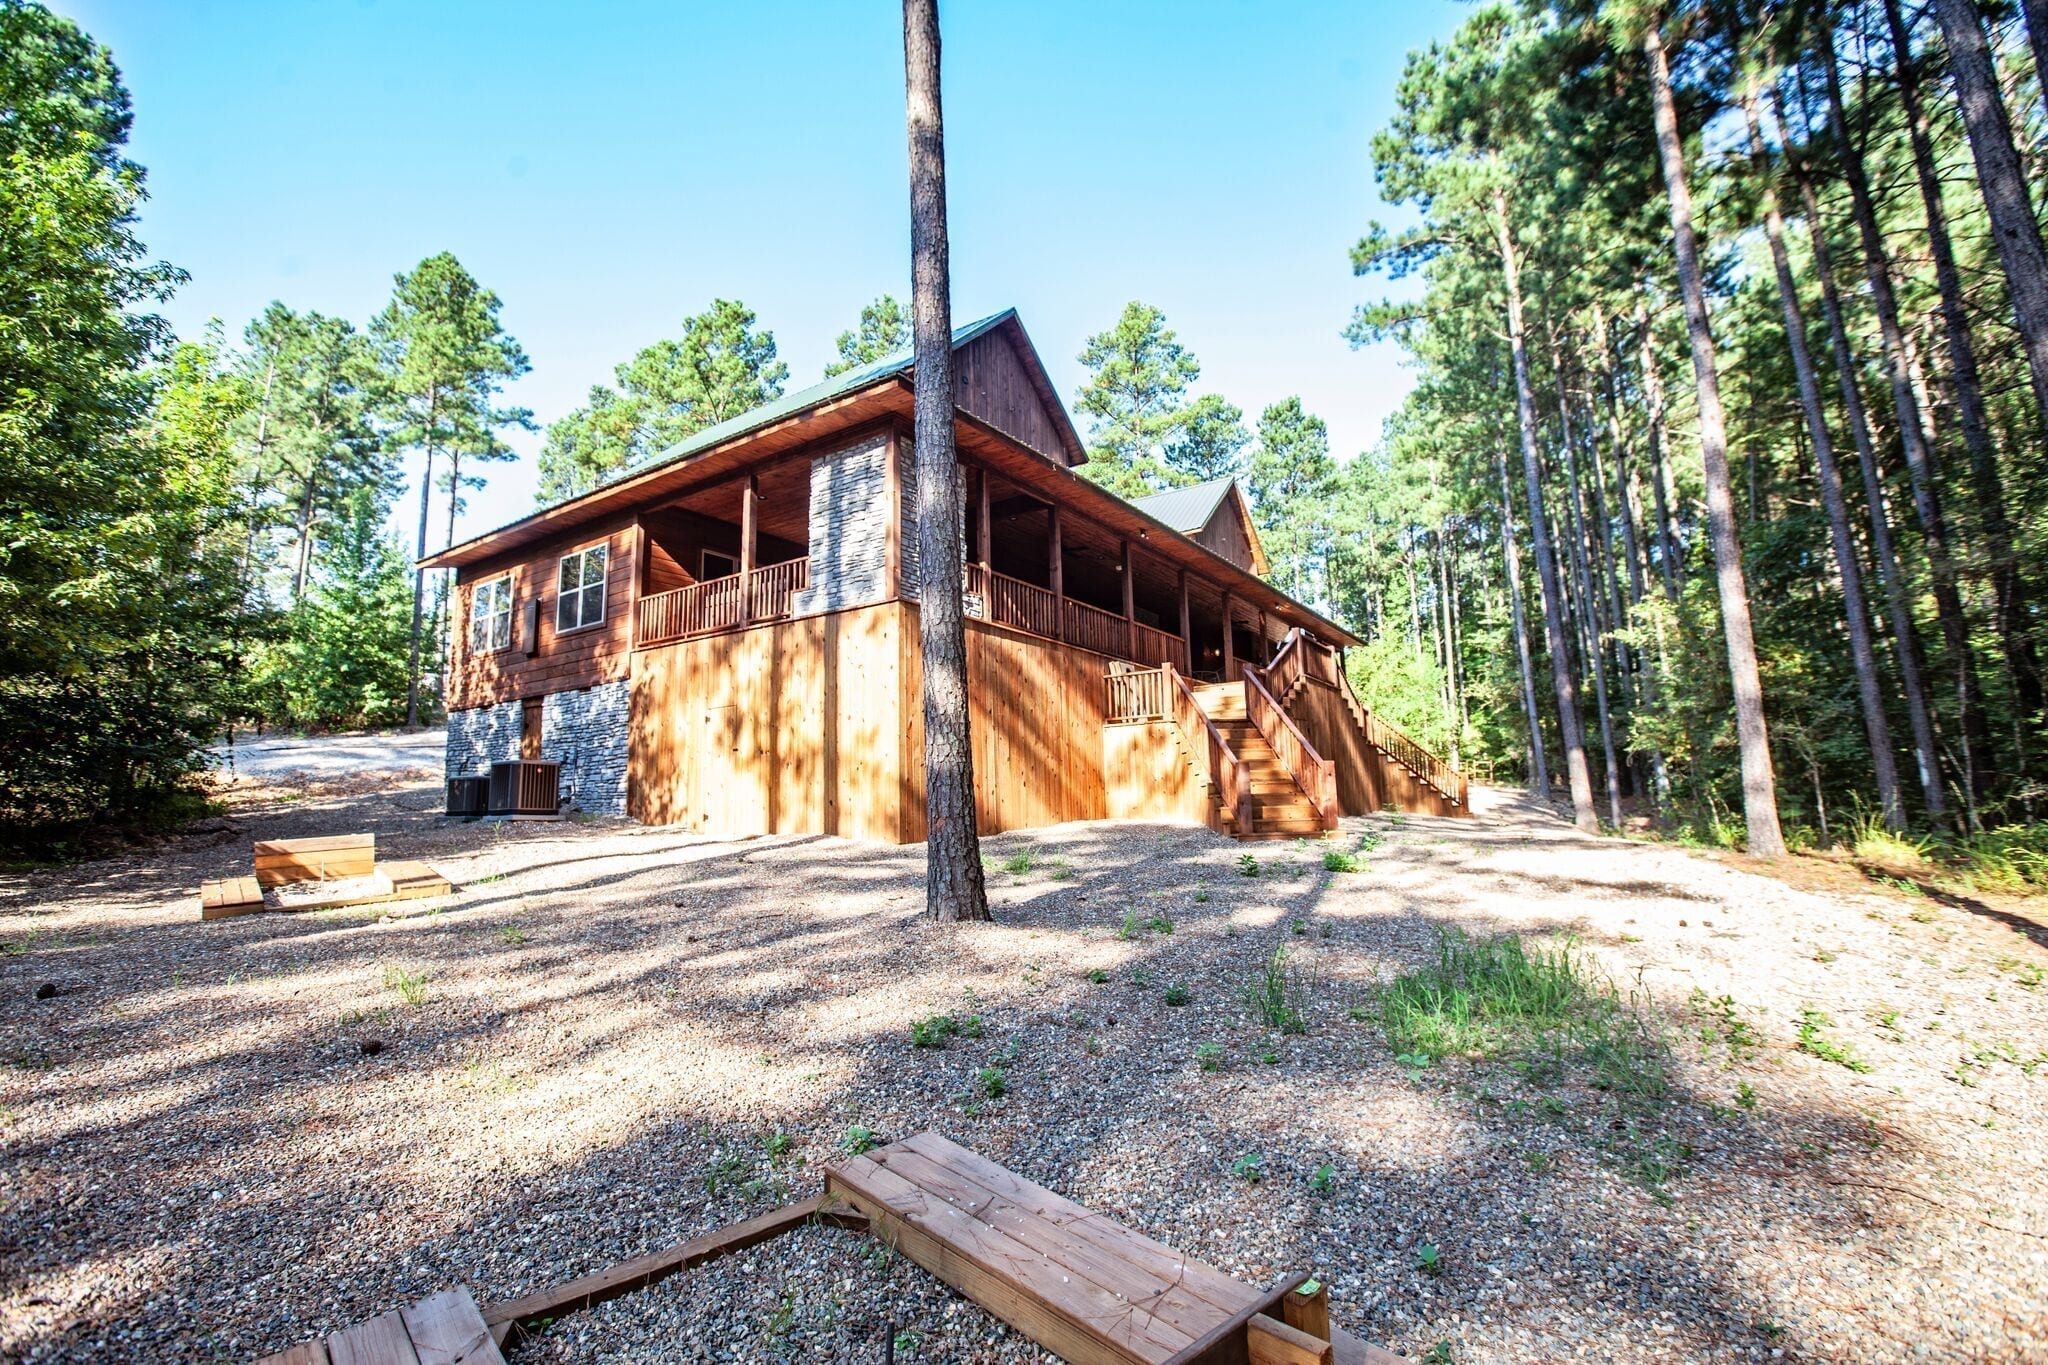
x,y
726,556
1035,568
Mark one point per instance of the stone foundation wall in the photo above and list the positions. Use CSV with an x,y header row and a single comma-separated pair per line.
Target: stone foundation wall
x,y
481,736
589,733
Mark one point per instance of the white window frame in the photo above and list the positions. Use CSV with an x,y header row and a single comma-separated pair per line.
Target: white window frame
x,y
490,615
564,595
704,564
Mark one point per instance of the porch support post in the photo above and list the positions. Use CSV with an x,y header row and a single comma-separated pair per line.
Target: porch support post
x,y
1265,646
1229,650
750,542
981,527
1056,573
1130,608
1187,634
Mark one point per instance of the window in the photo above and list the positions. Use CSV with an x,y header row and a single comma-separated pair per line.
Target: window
x,y
717,564
490,615
581,602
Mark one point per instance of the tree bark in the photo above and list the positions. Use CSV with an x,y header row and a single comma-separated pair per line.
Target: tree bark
x,y
1759,788
419,579
2037,36
1948,600
1581,780
1631,543
1594,654
2008,586
1876,730
2000,177
954,888
1539,765
1660,474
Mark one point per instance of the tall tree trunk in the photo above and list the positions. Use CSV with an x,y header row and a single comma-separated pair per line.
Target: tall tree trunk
x,y
954,889
1539,766
1948,600
1583,814
1631,543
1898,608
2037,36
302,554
1861,654
1596,646
2000,178
1660,471
1759,787
419,578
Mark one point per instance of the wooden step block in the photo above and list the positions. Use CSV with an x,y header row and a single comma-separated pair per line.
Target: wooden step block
x,y
229,896
412,880
328,858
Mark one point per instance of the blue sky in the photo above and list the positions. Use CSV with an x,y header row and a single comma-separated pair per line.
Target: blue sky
x,y
609,169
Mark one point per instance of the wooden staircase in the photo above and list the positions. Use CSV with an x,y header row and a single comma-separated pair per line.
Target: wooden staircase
x,y
1280,809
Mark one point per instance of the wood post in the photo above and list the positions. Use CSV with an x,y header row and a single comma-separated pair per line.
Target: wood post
x,y
1265,646
750,542
1187,635
1307,1309
1229,649
981,531
1130,607
1056,569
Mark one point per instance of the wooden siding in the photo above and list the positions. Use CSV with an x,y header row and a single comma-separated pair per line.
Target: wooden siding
x,y
1226,535
990,380
563,661
1148,775
789,728
815,726
1038,709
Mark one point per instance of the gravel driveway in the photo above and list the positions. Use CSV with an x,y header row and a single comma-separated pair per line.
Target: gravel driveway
x,y
332,756
590,1050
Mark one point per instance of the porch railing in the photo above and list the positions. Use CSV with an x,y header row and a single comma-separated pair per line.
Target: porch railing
x,y
1013,602
1096,629
1155,647
719,604
1141,695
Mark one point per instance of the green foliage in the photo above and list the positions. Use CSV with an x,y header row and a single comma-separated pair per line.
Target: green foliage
x,y
1429,1260
884,331
343,656
1177,994
720,367
1486,996
410,984
1292,481
857,1140
1337,860
991,1081
1250,1168
1247,865
1208,1056
1277,994
1814,1041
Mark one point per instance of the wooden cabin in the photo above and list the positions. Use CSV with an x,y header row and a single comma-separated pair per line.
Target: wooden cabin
x,y
726,637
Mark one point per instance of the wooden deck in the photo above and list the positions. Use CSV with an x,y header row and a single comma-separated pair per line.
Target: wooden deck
x,y
1077,1283
446,1329
346,857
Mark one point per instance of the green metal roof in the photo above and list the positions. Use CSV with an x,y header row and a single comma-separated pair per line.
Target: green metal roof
x,y
1185,509
790,404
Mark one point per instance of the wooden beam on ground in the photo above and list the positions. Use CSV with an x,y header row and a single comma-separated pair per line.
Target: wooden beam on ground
x,y
1269,1342
1308,1309
382,1340
447,1329
642,1271
305,1353
1225,1341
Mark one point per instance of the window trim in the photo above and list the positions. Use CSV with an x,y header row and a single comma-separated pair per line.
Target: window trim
x,y
511,601
704,574
604,584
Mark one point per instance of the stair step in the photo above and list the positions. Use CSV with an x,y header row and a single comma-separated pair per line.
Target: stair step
x,y
1287,826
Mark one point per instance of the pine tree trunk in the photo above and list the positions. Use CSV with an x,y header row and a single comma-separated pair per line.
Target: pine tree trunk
x,y
1539,765
1660,472
1595,656
1876,730
2000,177
954,889
1581,780
1631,544
1898,609
1759,789
2037,36
419,578
1948,601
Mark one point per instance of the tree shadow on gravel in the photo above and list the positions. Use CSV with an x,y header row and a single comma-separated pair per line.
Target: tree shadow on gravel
x,y
781,979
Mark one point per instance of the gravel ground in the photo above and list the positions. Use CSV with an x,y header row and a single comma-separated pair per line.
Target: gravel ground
x,y
588,1051
330,756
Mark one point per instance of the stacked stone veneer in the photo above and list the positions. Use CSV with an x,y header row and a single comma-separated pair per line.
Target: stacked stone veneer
x,y
589,732
586,731
481,736
849,528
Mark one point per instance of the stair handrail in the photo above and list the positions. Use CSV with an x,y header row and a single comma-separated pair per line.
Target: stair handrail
x,y
1223,769
1314,774
1405,749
